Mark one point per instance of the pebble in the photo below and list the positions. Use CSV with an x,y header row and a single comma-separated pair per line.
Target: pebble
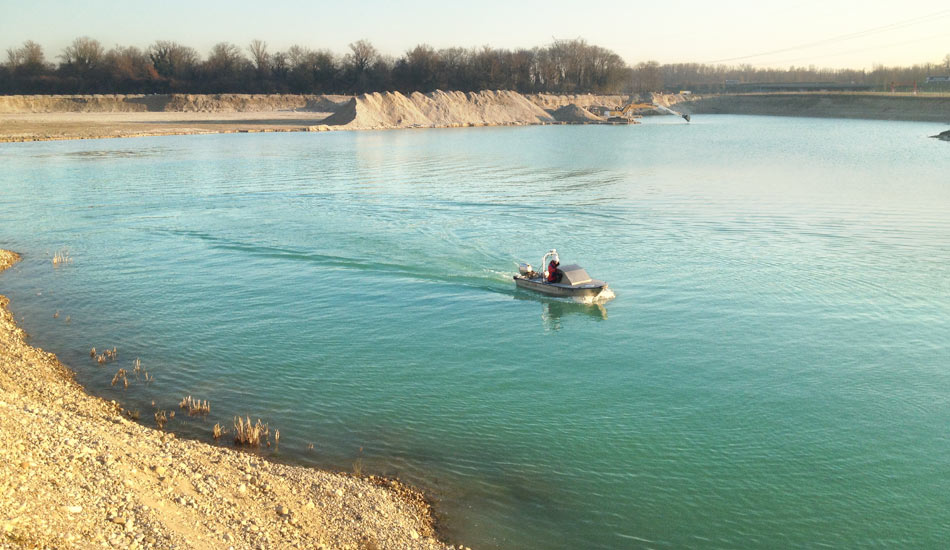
x,y
74,509
283,510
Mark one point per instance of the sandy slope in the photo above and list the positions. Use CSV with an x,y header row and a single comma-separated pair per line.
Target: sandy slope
x,y
75,473
438,109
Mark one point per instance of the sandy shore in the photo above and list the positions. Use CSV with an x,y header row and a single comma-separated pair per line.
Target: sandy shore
x,y
75,473
16,127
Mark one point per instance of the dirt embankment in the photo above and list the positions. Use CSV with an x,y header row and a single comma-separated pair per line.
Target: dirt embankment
x,y
170,103
833,105
76,473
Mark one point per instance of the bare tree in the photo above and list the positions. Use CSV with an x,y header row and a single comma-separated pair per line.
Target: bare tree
x,y
83,55
27,59
224,60
173,60
259,56
362,56
129,63
946,62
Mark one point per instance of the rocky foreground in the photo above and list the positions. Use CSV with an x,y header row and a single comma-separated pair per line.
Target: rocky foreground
x,y
74,473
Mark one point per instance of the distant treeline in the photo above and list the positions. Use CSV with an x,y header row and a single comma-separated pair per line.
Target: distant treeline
x,y
565,66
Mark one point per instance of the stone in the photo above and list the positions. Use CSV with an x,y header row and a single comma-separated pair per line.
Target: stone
x,y
160,471
242,489
74,509
283,510
413,534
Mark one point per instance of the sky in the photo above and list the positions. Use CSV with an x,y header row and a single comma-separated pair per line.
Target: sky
x,y
828,33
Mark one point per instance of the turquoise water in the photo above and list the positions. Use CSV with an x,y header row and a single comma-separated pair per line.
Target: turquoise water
x,y
774,369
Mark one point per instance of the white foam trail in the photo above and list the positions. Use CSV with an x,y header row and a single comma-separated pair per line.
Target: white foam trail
x,y
605,296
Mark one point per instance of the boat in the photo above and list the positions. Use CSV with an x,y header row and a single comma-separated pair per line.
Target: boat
x,y
575,282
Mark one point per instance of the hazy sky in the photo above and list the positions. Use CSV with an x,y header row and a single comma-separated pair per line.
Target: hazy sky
x,y
828,33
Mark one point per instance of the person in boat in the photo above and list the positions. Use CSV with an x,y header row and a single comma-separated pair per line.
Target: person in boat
x,y
554,274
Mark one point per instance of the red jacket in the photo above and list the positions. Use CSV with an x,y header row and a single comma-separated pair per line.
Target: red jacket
x,y
552,272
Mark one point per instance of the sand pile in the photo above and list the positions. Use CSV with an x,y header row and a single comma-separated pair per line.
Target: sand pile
x,y
575,113
550,102
438,109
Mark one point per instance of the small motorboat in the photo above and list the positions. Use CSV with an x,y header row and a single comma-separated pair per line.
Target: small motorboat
x,y
574,280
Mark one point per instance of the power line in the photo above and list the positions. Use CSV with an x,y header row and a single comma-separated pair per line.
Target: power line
x,y
859,50
840,38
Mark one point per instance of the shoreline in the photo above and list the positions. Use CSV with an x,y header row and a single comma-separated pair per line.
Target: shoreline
x,y
55,118
76,473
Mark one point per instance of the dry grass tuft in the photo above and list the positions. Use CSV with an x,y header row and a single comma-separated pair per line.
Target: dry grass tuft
x,y
249,434
358,464
218,431
195,406
121,375
106,356
161,419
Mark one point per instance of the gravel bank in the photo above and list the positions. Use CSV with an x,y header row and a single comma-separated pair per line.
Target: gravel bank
x,y
878,106
75,473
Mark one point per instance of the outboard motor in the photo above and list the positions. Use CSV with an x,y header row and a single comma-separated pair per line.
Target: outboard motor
x,y
525,269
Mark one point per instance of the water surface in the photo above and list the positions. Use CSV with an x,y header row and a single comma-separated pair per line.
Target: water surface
x,y
772,371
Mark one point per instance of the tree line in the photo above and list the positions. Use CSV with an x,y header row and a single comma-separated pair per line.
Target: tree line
x,y
85,66
564,66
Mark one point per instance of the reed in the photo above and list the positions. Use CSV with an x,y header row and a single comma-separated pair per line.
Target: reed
x,y
161,419
92,352
121,375
358,464
195,406
61,257
276,439
248,434
134,415
218,431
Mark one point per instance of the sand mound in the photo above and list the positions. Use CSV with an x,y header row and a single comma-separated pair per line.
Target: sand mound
x,y
438,109
575,113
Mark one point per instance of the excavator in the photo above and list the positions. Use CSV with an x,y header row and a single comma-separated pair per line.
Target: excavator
x,y
620,114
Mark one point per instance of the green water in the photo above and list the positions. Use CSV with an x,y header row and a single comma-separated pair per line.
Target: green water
x,y
774,370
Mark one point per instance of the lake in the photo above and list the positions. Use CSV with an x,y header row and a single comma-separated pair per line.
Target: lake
x,y
774,369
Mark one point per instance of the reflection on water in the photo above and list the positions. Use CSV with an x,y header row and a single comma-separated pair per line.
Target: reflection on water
x,y
554,309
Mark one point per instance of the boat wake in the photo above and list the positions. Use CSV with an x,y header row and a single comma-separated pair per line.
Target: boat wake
x,y
603,297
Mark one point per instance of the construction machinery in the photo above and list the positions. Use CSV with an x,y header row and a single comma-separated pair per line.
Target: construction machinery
x,y
629,113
